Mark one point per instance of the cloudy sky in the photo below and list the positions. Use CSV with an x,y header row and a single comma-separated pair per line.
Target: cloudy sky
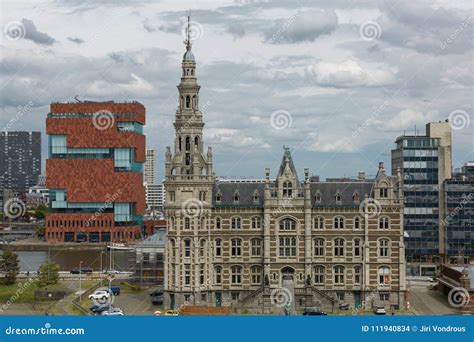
x,y
337,81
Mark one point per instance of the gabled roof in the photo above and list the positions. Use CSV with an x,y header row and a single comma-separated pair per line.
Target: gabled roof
x,y
287,157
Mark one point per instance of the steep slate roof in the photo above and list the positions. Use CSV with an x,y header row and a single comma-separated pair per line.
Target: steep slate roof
x,y
156,240
328,191
246,191
286,155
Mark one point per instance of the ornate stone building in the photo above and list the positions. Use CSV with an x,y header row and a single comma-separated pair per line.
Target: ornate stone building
x,y
285,240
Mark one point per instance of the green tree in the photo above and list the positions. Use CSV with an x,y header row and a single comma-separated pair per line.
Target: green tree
x,y
9,266
40,212
48,273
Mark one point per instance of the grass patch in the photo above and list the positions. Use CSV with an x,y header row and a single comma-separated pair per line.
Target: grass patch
x,y
22,292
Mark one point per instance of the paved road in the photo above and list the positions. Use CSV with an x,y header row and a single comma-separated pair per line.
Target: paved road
x,y
424,301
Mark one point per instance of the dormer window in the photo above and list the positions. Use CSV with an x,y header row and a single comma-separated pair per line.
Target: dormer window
x,y
383,192
218,197
317,197
256,197
287,189
236,197
356,197
338,198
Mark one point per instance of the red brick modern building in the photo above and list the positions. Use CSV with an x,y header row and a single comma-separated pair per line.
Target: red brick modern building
x,y
95,171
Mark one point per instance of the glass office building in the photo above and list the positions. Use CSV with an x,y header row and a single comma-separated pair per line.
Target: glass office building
x,y
425,163
460,215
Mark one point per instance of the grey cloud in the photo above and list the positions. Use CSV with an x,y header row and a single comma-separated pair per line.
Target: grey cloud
x,y
237,31
31,33
302,27
76,40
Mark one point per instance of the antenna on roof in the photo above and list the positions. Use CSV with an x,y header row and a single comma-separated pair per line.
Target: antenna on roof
x,y
77,98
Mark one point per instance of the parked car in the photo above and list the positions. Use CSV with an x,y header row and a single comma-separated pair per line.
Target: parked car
x,y
115,290
157,300
380,311
102,295
82,270
171,313
100,308
113,312
343,306
314,312
157,292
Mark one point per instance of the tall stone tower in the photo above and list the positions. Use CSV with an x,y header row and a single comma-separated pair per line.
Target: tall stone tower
x,y
188,182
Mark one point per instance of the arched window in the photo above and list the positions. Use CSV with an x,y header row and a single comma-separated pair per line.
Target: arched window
x,y
196,141
339,275
192,72
236,223
218,275
357,248
339,222
357,222
236,275
236,247
218,248
338,198
384,275
256,247
256,274
318,222
256,222
188,101
218,223
384,222
319,247
384,248
179,143
188,143
357,275
287,189
319,275
287,224
339,247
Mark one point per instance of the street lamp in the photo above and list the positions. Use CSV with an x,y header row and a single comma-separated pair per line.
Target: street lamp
x,y
100,269
80,281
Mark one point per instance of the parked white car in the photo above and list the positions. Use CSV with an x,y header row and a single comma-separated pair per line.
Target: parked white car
x,y
100,296
113,312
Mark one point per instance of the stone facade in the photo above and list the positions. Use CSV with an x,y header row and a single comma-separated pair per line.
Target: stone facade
x,y
262,244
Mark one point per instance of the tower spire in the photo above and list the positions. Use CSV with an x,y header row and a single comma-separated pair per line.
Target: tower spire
x,y
187,42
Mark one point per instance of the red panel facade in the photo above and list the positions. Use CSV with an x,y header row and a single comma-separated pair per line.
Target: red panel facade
x,y
94,180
